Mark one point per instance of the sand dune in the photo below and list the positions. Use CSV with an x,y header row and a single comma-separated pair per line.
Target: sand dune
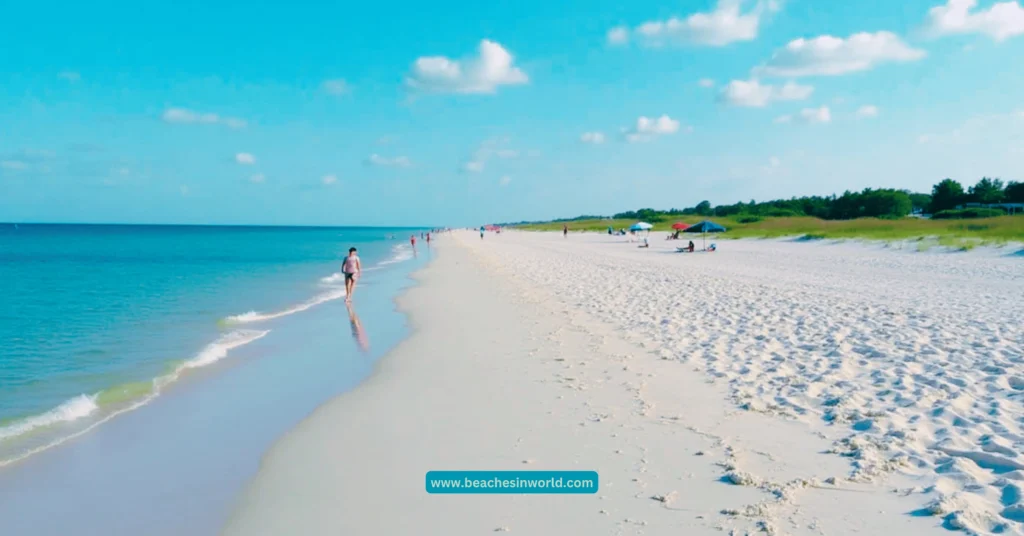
x,y
769,387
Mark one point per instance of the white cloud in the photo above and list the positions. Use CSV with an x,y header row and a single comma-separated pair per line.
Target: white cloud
x,y
646,128
706,82
618,35
187,117
13,165
246,159
815,115
506,154
378,160
482,74
1001,21
258,178
867,110
337,86
752,93
328,180
505,180
829,56
808,115
726,24
473,166
595,138
492,148
70,76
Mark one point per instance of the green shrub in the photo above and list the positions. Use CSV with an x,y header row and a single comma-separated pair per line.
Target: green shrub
x,y
782,213
969,213
749,218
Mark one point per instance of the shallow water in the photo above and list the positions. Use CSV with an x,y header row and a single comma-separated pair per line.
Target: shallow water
x,y
161,403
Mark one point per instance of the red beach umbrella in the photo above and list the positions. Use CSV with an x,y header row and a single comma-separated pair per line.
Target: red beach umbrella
x,y
679,226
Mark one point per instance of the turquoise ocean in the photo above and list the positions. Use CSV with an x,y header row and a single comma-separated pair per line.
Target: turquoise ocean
x,y
99,323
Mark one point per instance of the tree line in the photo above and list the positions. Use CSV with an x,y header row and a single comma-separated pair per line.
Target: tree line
x,y
945,196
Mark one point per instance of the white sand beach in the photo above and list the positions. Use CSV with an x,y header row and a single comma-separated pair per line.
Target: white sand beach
x,y
770,387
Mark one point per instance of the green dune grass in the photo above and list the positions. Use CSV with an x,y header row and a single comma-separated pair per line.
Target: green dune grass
x,y
953,233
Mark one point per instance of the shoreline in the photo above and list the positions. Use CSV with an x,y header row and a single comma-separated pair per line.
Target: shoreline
x,y
508,376
140,472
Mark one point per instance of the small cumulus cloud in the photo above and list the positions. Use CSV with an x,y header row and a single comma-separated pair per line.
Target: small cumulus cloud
x,y
506,154
328,180
378,160
485,73
13,165
808,116
473,166
867,111
246,159
647,128
618,35
831,56
337,86
595,138
752,93
1001,21
728,23
184,116
491,148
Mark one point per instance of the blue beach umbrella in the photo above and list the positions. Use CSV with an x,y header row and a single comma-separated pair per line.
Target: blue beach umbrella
x,y
641,226
704,228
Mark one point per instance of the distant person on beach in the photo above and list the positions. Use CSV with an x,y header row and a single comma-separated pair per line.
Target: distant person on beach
x,y
481,233
565,230
428,239
351,268
691,246
412,240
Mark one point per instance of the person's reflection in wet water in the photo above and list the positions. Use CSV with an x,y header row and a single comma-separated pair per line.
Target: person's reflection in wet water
x,y
358,333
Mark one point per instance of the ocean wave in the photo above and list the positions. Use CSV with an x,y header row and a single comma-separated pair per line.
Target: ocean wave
x,y
71,410
117,400
400,253
219,349
254,316
333,279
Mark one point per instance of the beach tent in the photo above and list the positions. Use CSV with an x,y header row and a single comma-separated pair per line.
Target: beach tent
x,y
704,228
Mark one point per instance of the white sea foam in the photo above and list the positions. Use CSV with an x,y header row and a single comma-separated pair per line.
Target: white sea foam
x,y
219,349
254,316
333,279
86,405
400,253
73,409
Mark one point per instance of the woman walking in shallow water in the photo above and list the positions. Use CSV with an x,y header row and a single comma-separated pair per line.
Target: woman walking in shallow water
x,y
351,268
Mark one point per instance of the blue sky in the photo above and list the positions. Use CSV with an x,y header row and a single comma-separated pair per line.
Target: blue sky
x,y
461,113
